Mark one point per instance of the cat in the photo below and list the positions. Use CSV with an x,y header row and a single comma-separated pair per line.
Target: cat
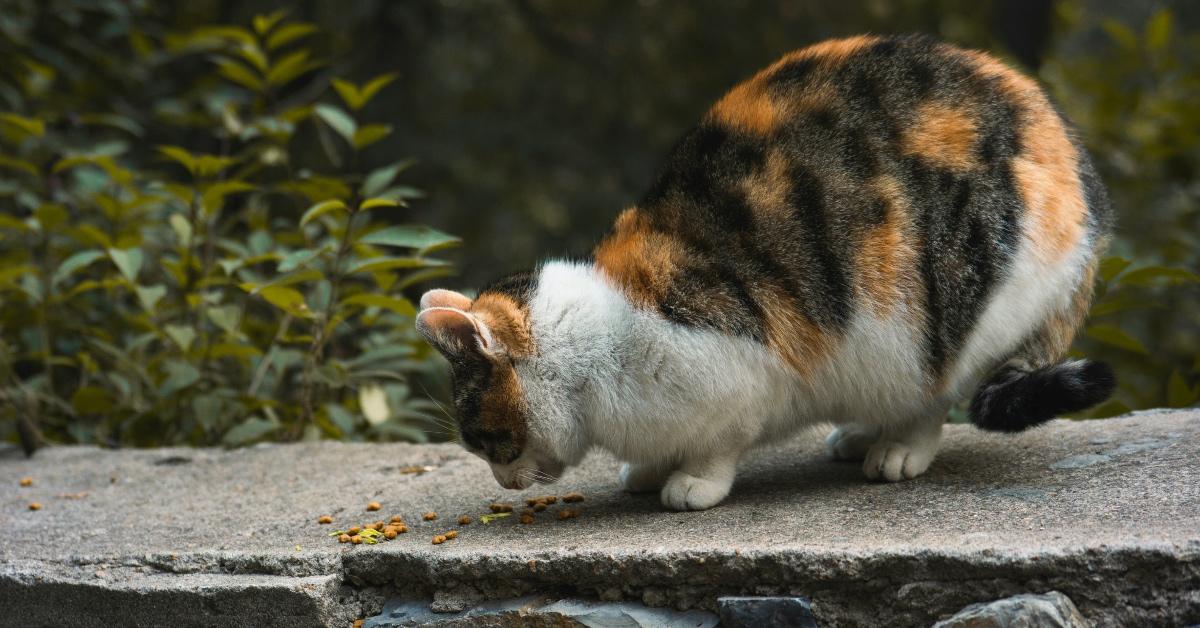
x,y
860,235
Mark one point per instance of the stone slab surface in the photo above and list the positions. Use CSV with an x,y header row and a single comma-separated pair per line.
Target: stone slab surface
x,y
1106,512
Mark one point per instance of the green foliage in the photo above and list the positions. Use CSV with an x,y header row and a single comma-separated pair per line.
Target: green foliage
x,y
177,263
1132,90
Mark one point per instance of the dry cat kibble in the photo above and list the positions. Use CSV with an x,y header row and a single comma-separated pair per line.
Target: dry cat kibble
x,y
356,539
343,538
539,507
353,530
429,516
26,481
453,534
373,506
439,539
397,519
572,497
501,507
35,506
567,513
464,520
390,533
526,519
325,519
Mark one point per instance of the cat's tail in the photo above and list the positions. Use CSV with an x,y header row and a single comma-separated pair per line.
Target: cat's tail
x,y
1016,397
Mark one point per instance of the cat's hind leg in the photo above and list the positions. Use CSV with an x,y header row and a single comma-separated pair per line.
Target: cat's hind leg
x,y
904,450
643,477
851,441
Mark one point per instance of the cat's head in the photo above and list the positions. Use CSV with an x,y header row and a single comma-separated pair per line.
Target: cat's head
x,y
485,340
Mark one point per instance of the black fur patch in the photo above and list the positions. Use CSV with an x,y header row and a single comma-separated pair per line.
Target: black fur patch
x,y
1014,399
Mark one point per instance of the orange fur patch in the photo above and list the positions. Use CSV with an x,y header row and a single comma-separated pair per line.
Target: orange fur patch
x,y
1046,168
639,260
790,334
942,135
508,322
750,108
885,266
502,405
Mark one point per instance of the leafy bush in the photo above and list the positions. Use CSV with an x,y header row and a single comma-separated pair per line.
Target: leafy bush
x,y
1133,91
189,250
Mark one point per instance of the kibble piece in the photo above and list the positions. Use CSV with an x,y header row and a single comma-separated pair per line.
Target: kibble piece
x,y
567,513
391,533
401,529
453,534
26,481
464,520
499,507
429,516
439,539
539,507
358,623
533,501
378,525
527,511
355,539
572,497
353,530
325,519
35,506
526,519
549,499
397,519
373,506
344,538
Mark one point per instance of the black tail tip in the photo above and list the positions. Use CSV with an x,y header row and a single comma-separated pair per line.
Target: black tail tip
x,y
1013,399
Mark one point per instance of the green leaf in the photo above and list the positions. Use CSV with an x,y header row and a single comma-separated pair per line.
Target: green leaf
x,y
1120,302
150,296
299,258
1179,394
288,33
1150,274
379,179
214,195
377,264
183,335
225,317
180,156
411,236
51,216
370,134
73,264
1120,34
341,418
92,400
337,119
128,125
264,23
182,229
1113,335
239,74
252,429
368,91
1110,267
372,203
356,97
290,67
286,299
27,126
13,163
1158,30
398,305
180,375
317,210
128,261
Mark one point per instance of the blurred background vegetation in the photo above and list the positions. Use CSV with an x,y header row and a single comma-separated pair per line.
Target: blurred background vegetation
x,y
211,212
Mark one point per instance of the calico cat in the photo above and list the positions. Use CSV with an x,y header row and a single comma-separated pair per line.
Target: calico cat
x,y
861,234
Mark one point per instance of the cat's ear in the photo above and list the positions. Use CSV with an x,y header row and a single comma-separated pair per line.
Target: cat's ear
x,y
453,331
445,298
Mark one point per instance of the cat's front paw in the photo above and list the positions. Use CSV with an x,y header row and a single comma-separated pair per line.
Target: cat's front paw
x,y
894,461
688,492
642,478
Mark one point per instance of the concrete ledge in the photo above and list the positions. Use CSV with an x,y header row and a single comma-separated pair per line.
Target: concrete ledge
x,y
1106,512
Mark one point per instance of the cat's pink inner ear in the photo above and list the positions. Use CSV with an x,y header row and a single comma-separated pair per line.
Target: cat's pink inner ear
x,y
445,298
452,331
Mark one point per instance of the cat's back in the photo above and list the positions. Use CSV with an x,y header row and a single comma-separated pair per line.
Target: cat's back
x,y
881,178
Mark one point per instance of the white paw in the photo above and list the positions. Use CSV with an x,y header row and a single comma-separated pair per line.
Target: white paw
x,y
642,478
894,461
850,442
688,492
